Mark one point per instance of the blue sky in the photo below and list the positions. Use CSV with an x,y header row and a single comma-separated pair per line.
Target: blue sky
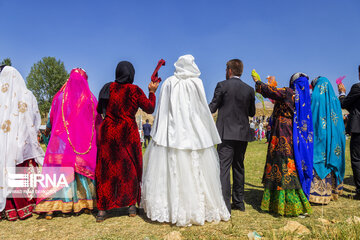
x,y
318,37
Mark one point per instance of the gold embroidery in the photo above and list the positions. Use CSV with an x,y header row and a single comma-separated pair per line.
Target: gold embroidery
x,y
285,120
323,122
337,151
323,154
4,87
310,137
280,145
22,106
334,117
65,207
6,126
273,172
304,126
323,88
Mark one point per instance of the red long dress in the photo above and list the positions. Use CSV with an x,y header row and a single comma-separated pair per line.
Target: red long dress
x,y
16,207
119,162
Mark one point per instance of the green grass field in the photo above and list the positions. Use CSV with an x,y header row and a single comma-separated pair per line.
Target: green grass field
x,y
121,226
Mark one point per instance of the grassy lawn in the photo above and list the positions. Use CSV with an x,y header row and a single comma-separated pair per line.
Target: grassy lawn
x,y
122,227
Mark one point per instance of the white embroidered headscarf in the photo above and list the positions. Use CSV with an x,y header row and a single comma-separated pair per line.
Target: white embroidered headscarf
x,y
19,124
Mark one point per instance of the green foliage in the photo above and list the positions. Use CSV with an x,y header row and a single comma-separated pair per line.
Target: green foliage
x,y
45,79
6,61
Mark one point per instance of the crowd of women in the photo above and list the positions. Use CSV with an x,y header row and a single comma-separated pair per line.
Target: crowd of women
x,y
179,179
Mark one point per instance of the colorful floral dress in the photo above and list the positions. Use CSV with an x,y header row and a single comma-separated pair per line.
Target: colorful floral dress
x,y
283,194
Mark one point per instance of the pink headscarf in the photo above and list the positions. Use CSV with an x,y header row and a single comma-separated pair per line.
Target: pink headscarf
x,y
73,136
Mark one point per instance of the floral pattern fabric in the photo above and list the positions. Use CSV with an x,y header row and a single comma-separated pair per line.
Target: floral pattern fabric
x,y
280,170
325,190
283,193
290,202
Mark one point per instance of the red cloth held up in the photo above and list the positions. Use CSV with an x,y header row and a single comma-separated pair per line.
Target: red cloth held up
x,y
154,76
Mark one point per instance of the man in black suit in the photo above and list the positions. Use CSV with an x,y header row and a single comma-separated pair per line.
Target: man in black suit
x,y
235,101
351,102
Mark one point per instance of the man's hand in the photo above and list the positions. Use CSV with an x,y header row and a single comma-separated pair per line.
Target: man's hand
x,y
153,86
341,88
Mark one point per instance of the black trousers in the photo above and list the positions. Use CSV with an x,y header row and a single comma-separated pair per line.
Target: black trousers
x,y
355,159
231,154
146,138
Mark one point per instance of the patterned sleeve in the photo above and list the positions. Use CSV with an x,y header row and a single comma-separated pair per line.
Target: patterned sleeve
x,y
269,91
146,104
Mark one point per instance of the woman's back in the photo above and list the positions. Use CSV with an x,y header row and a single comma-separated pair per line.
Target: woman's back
x,y
123,102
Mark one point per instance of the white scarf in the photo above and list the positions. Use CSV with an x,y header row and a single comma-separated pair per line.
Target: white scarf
x,y
183,119
19,124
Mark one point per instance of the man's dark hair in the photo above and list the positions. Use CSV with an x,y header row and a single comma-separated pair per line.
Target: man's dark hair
x,y
359,68
147,120
236,66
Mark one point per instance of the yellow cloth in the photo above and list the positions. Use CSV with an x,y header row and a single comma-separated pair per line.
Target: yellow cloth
x,y
255,74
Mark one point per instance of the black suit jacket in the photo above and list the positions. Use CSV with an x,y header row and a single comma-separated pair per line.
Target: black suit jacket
x,y
235,101
352,103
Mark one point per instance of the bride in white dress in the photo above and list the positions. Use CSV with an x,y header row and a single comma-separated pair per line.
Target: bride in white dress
x,y
181,179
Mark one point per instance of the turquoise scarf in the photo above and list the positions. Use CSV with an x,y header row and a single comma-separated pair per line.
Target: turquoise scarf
x,y
329,131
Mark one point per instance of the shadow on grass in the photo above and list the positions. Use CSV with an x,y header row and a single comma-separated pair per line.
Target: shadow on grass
x,y
142,215
58,214
348,181
253,196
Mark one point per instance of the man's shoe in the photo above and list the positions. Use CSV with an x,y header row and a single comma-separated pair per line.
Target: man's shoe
x,y
356,196
240,207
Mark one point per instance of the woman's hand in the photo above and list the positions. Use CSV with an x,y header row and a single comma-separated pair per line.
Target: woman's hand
x,y
255,78
153,86
341,88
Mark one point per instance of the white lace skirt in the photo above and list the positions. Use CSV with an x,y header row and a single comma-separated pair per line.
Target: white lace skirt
x,y
182,186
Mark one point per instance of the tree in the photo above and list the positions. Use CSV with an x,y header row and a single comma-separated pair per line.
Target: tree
x,y
45,79
6,61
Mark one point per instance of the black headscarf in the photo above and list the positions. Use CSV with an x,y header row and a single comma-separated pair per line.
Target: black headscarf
x,y
124,74
296,76
314,81
2,67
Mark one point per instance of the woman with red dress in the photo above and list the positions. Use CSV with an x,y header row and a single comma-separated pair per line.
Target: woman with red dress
x,y
119,161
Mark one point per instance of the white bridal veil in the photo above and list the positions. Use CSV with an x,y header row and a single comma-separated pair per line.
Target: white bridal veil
x,y
183,119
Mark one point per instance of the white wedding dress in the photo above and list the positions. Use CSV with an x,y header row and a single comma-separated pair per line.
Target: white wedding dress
x,y
181,179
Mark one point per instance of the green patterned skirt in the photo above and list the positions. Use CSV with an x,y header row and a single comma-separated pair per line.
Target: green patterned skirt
x,y
289,202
